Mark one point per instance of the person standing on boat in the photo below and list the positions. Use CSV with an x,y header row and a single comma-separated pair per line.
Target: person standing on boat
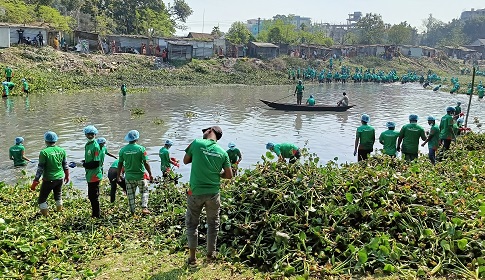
x,y
388,139
299,92
344,101
409,137
364,139
310,101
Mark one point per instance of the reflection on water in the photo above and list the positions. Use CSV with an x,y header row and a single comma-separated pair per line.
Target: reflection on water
x,y
237,109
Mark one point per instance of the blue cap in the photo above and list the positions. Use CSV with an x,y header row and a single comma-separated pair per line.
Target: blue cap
x,y
390,124
23,80
311,96
231,146
90,129
460,120
450,109
269,145
365,118
50,136
132,135
168,142
413,117
72,164
431,118
458,103
299,81
101,140
19,140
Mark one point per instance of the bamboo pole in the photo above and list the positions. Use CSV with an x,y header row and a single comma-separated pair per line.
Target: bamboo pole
x,y
470,100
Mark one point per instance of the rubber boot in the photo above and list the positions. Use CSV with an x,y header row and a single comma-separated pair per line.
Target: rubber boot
x,y
44,212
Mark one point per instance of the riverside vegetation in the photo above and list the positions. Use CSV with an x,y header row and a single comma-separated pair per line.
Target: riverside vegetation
x,y
308,220
48,70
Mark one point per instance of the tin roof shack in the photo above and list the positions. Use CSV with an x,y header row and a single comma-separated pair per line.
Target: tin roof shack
x,y
429,52
179,51
220,47
91,38
9,33
315,51
410,51
478,45
201,36
263,50
133,43
459,52
366,50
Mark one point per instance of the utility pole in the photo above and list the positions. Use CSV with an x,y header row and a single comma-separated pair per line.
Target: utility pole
x,y
259,23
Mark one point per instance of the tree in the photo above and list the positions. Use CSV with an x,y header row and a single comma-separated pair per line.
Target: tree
x,y
216,32
274,35
371,29
52,16
238,33
474,29
179,11
281,32
400,34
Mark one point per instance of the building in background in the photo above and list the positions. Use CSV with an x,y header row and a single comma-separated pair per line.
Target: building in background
x,y
467,15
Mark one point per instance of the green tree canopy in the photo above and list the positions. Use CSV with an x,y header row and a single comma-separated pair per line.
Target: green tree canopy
x,y
401,34
238,33
371,29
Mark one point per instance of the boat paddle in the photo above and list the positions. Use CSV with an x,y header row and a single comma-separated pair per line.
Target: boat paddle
x,y
284,97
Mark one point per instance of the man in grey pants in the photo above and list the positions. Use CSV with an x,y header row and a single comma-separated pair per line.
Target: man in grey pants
x,y
210,163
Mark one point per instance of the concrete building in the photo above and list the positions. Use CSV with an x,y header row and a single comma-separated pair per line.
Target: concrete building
x,y
466,15
254,26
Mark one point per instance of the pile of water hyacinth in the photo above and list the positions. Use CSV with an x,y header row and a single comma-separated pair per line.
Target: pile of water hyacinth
x,y
383,216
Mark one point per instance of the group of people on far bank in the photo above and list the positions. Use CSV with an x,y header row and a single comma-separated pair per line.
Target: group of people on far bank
x,y
408,137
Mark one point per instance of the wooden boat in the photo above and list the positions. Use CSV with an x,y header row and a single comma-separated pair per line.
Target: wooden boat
x,y
294,107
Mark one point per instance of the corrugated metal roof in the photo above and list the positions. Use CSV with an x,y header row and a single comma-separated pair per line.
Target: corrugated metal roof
x,y
264,45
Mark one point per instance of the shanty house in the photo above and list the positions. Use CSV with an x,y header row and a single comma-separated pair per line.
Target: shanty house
x,y
263,50
478,45
9,33
179,51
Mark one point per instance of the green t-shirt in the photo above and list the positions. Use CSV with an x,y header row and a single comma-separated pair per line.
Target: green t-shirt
x,y
8,72
102,154
133,157
388,139
411,133
6,91
234,155
300,88
287,150
457,110
26,85
434,132
92,152
164,155
446,127
367,137
208,160
17,152
115,164
51,158
311,101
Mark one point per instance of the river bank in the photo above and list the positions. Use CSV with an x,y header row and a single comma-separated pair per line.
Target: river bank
x,y
49,70
383,217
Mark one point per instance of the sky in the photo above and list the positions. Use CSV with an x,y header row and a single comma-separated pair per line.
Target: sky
x,y
222,13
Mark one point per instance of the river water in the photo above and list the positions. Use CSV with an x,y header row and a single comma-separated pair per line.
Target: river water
x,y
237,109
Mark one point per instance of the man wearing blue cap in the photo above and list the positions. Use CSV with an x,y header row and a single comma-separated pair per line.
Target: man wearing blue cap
x,y
134,159
235,157
388,139
93,167
285,151
310,101
103,151
409,137
53,168
17,153
299,92
364,139
210,163
433,139
446,128
166,161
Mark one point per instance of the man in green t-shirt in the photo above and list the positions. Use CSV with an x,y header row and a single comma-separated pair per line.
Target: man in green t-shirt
x,y
388,139
53,168
8,73
299,92
409,137
310,101
446,128
364,139
433,139
103,151
17,153
210,163
93,168
134,159
25,86
166,161
123,89
235,157
457,110
285,151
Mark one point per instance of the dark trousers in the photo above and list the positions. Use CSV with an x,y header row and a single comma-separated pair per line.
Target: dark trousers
x,y
363,154
299,97
446,144
93,195
47,187
296,156
9,79
113,181
410,157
